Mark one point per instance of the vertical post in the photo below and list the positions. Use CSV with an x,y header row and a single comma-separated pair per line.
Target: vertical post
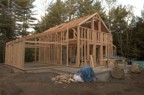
x,y
67,34
82,38
70,54
39,50
106,51
101,54
101,44
78,46
23,54
94,41
61,48
35,52
84,45
94,50
88,40
60,54
6,54
92,24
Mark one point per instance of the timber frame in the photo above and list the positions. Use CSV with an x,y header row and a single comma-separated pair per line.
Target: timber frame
x,y
82,41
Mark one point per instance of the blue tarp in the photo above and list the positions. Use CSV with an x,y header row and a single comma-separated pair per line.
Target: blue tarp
x,y
86,73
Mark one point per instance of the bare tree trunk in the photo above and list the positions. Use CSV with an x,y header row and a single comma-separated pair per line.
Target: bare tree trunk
x,y
119,40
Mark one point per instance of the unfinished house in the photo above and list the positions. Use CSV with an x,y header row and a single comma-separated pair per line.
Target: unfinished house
x,y
83,41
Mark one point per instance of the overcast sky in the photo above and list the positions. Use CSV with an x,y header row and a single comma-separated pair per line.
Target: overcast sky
x,y
137,4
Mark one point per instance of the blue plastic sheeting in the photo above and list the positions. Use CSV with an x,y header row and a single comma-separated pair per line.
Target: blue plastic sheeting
x,y
141,63
86,73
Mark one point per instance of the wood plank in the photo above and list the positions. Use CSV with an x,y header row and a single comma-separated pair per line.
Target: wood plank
x,y
88,44
92,24
41,42
78,46
67,37
87,18
91,61
35,53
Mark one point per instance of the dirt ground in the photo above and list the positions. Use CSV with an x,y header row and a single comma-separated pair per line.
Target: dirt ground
x,y
41,84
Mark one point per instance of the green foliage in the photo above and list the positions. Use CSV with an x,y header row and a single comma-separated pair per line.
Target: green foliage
x,y
55,16
119,27
15,18
60,12
97,7
24,15
138,39
6,27
126,29
85,7
111,3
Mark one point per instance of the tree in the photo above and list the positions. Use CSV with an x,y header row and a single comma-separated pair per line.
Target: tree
x,y
56,14
13,12
126,28
24,16
6,27
71,6
142,13
97,7
119,27
61,12
110,5
86,7
138,39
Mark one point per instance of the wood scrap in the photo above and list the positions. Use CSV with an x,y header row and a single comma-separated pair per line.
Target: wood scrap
x,y
65,78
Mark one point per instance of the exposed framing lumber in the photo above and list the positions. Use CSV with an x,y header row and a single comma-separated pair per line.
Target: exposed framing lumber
x,y
67,47
78,46
41,42
72,43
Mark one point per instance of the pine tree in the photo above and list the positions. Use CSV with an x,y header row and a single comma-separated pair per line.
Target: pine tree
x,y
6,27
56,15
119,28
71,9
24,16
13,12
138,39
86,7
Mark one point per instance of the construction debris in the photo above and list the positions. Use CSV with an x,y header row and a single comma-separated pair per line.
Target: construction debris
x,y
135,68
77,78
65,78
85,74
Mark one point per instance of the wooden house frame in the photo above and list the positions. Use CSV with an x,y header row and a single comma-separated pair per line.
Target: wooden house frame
x,y
82,41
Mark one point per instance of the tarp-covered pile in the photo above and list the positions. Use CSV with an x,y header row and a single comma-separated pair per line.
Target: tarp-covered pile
x,y
85,74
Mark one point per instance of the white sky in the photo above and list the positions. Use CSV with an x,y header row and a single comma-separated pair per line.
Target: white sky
x,y
137,4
